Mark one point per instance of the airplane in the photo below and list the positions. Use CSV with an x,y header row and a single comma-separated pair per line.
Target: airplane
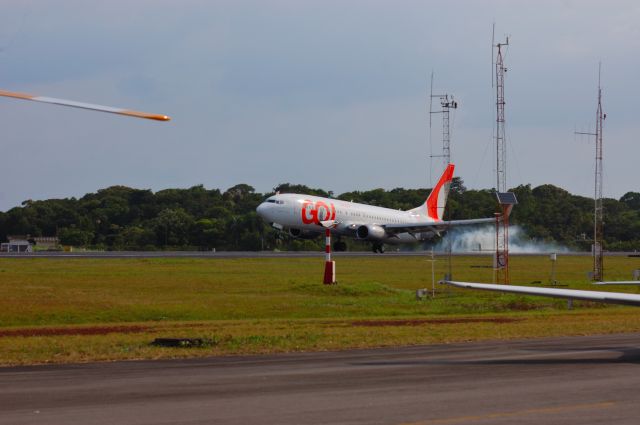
x,y
570,294
306,216
81,105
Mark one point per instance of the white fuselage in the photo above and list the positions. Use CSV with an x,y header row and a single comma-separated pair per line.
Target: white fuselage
x,y
305,212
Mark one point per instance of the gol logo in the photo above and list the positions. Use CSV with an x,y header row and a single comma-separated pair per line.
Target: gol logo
x,y
317,212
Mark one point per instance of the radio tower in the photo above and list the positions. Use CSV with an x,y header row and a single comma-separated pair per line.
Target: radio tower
x,y
598,216
598,211
501,148
446,103
505,199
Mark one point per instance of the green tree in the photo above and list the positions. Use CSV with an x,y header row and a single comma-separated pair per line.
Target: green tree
x,y
172,227
631,200
74,237
300,188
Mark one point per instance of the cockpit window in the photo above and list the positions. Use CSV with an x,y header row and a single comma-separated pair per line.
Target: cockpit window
x,y
272,201
275,201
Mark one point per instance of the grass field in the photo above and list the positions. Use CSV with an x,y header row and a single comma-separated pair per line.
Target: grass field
x,y
74,310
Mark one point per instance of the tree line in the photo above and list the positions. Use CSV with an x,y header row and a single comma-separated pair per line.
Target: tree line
x,y
124,218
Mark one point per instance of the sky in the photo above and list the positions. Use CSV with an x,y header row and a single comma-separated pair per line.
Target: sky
x,y
331,94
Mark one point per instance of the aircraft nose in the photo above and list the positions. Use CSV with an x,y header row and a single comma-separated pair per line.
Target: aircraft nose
x,y
262,209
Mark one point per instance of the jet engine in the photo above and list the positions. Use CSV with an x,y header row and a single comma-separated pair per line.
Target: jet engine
x,y
303,234
371,232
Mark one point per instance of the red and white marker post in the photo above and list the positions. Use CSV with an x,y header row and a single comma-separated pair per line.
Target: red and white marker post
x,y
329,266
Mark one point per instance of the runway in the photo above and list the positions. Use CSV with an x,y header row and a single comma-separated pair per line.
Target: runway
x,y
577,380
264,254
219,254
216,255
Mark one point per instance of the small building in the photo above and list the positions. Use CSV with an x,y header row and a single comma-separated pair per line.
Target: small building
x,y
46,243
17,244
22,243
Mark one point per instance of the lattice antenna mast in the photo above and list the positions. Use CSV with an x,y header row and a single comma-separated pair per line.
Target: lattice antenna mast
x,y
598,216
506,200
501,145
598,212
447,103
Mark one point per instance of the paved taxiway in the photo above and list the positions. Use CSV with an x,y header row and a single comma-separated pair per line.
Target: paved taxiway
x,y
577,380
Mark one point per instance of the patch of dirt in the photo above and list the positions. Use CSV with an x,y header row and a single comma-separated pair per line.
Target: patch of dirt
x,y
92,330
418,322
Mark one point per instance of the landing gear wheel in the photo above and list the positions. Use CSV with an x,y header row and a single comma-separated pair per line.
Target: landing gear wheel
x,y
339,246
378,247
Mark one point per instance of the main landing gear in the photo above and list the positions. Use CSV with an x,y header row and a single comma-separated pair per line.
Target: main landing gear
x,y
339,246
378,247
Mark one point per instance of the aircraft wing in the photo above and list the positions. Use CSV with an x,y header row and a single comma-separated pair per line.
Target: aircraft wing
x,y
81,105
573,294
436,226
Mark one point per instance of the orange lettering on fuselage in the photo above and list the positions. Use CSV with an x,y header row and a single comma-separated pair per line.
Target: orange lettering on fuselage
x,y
317,212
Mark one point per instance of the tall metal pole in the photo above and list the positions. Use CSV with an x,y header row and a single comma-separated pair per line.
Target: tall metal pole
x,y
598,210
598,216
501,259
501,148
446,103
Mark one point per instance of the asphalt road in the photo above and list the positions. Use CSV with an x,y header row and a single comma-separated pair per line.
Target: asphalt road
x,y
578,380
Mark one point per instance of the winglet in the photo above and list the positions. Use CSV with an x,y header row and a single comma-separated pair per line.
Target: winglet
x,y
438,197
